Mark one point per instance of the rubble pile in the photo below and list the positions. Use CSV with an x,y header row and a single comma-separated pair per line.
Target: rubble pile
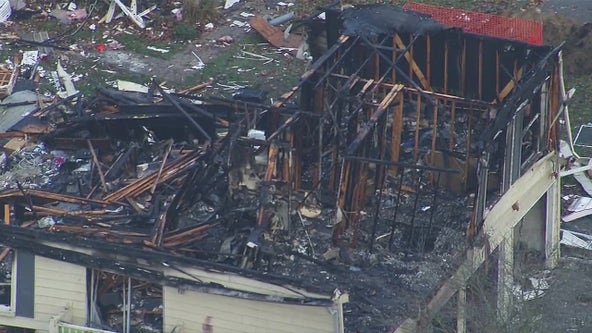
x,y
370,192
181,174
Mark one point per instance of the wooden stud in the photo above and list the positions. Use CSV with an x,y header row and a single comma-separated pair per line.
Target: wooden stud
x,y
434,133
284,156
509,87
162,164
4,253
480,80
376,66
452,125
468,155
497,72
334,166
410,59
97,164
271,162
6,213
413,68
428,60
446,66
394,58
358,203
397,128
417,125
554,107
461,318
433,94
463,68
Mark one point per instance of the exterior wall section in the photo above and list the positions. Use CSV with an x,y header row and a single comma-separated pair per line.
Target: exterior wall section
x,y
190,311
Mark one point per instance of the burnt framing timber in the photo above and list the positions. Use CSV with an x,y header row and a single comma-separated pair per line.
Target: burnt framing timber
x,y
374,80
399,91
397,105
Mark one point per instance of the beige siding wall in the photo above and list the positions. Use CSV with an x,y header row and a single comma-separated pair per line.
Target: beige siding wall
x,y
59,284
189,310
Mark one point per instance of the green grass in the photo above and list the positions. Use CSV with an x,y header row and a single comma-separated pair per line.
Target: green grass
x,y
580,110
138,44
96,76
283,71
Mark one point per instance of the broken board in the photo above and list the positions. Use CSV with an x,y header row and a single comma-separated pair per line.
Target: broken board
x,y
275,36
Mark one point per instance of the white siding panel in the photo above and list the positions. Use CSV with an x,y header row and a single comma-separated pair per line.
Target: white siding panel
x,y
59,284
188,311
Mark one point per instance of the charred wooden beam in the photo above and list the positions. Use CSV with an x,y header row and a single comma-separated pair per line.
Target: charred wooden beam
x,y
177,239
435,95
98,165
164,160
399,164
178,106
386,102
412,64
173,169
396,131
343,55
293,118
523,92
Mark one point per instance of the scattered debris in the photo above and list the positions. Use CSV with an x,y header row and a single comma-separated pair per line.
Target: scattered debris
x,y
281,19
275,36
230,3
584,136
7,79
5,10
225,40
66,80
536,288
155,49
576,239
580,207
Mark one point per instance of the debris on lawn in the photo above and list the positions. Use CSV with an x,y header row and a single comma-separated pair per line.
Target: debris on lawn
x,y
274,35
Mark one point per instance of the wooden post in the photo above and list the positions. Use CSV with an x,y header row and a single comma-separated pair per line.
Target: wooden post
x,y
428,62
6,213
98,165
468,157
497,72
285,161
410,59
397,128
553,223
394,58
505,277
376,66
446,66
463,68
434,132
417,125
452,125
480,82
461,315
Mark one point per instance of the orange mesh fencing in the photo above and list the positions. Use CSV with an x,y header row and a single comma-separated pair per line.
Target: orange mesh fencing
x,y
513,28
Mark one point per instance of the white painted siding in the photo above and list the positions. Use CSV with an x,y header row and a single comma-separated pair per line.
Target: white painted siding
x,y
59,284
187,311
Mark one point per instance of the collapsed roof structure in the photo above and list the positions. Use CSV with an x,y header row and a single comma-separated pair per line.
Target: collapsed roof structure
x,y
397,110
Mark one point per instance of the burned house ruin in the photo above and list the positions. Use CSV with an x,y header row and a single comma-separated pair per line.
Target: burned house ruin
x,y
401,127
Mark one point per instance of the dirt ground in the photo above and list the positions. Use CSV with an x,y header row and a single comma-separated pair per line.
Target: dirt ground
x,y
380,298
